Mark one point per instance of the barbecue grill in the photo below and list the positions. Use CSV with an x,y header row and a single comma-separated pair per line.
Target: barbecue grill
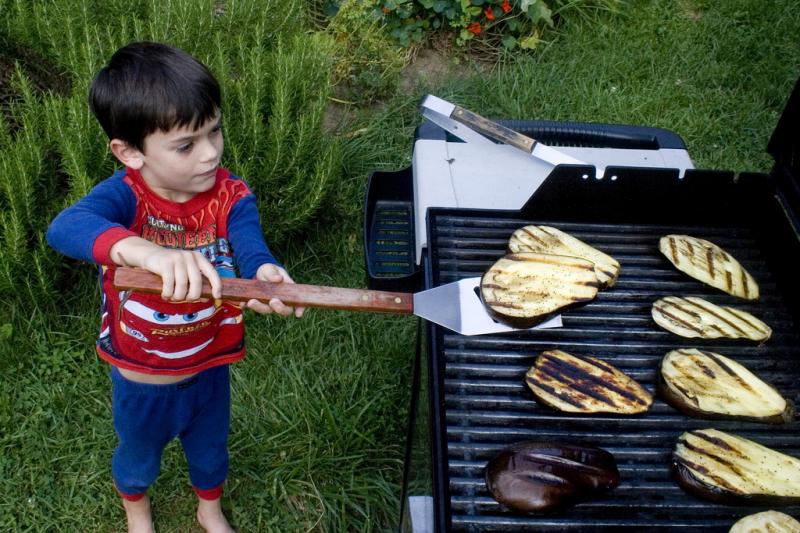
x,y
470,400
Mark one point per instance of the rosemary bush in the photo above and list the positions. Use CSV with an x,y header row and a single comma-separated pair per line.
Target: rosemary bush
x,y
275,80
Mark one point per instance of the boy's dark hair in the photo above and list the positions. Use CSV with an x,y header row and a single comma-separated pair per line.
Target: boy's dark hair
x,y
151,86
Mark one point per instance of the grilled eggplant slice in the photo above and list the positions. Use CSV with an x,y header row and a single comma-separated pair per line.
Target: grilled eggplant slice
x,y
548,240
766,522
585,385
539,476
695,317
705,261
709,385
523,289
729,469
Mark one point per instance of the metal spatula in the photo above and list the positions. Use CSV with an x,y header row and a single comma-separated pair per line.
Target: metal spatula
x,y
447,115
455,306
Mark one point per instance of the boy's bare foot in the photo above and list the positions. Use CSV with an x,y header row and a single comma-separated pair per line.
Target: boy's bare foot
x,y
211,517
140,520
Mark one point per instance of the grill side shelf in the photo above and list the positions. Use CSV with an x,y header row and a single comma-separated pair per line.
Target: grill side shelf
x,y
389,233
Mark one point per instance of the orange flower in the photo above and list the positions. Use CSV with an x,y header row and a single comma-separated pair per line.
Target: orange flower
x,y
474,28
505,6
488,12
386,9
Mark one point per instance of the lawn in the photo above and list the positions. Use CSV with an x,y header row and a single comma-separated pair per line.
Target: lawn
x,y
320,404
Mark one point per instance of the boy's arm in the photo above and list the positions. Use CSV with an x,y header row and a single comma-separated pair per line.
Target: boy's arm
x,y
89,228
254,257
247,239
95,229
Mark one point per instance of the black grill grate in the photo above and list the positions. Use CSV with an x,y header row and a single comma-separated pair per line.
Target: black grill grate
x,y
481,403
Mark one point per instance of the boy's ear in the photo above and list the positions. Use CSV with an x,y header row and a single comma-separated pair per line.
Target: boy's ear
x,y
128,155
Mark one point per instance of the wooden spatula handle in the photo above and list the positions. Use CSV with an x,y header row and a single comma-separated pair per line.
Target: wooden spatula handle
x,y
242,290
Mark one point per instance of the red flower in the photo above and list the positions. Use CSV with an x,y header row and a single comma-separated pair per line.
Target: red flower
x,y
488,12
474,28
505,6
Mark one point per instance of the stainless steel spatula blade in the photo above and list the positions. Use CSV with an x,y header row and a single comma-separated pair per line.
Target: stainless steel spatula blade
x,y
458,307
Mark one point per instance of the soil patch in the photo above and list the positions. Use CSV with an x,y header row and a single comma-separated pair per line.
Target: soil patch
x,y
428,67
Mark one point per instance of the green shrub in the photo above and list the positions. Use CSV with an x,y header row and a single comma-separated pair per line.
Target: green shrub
x,y
275,79
27,185
510,23
368,61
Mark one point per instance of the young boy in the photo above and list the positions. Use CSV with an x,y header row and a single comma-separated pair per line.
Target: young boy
x,y
174,211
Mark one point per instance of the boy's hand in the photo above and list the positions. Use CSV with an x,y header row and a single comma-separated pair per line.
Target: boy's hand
x,y
182,272
274,274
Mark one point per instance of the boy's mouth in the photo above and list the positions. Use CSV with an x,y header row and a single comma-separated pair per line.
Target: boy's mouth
x,y
209,174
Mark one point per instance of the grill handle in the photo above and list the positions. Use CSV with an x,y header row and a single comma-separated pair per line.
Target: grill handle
x,y
242,290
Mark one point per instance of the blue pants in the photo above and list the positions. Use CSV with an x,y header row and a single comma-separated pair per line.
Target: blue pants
x,y
147,417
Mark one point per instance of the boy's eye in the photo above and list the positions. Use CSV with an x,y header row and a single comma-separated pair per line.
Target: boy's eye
x,y
216,128
185,147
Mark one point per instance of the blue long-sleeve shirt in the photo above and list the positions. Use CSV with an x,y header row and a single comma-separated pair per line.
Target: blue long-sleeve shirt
x,y
88,229
143,332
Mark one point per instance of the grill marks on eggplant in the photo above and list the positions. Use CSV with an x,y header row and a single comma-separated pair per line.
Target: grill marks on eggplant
x,y
695,317
538,476
522,289
707,262
709,385
549,240
730,469
584,385
546,271
766,522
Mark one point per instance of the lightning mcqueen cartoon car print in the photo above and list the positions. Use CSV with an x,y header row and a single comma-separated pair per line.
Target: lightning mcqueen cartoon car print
x,y
153,333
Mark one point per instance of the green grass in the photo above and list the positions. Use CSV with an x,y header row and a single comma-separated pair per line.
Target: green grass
x,y
320,404
717,73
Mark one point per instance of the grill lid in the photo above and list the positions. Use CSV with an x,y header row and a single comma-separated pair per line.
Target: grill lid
x,y
785,142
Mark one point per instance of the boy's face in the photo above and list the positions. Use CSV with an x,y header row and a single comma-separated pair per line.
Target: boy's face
x,y
182,162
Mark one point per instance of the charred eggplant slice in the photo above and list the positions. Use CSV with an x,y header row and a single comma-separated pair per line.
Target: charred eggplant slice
x,y
584,385
538,476
729,469
705,261
766,522
549,240
709,385
694,317
522,289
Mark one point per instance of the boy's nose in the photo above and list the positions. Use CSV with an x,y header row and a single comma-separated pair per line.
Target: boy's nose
x,y
211,151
